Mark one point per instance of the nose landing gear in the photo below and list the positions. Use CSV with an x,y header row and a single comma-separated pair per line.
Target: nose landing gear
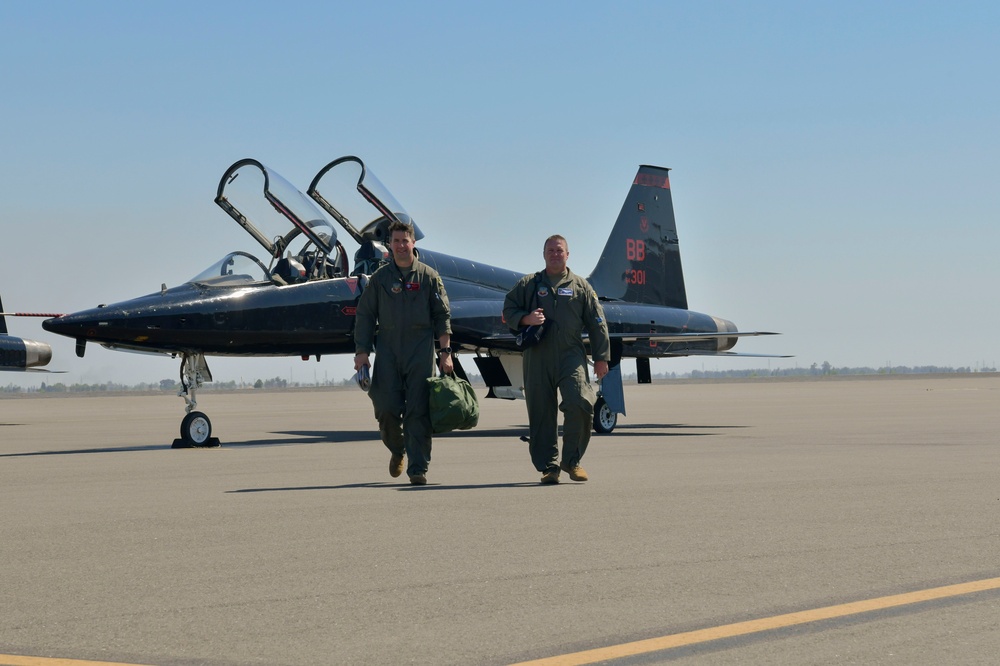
x,y
196,428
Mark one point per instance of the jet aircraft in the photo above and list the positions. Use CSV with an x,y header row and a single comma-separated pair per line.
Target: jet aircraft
x,y
301,299
19,354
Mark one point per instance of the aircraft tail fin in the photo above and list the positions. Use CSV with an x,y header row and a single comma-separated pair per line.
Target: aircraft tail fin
x,y
641,262
3,320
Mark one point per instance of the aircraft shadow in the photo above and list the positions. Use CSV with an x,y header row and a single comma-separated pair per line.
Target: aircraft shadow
x,y
293,437
310,437
516,433
663,430
118,449
347,436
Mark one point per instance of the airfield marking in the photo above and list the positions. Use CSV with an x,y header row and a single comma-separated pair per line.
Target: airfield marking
x,y
674,640
763,624
17,660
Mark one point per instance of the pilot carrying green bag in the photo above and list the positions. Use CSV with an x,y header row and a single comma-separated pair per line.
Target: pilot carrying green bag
x,y
453,404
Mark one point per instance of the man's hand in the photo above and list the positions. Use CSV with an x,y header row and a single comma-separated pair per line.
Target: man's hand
x,y
360,361
534,318
600,369
447,364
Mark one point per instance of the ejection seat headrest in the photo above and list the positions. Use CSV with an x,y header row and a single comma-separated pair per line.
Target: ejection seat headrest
x,y
290,270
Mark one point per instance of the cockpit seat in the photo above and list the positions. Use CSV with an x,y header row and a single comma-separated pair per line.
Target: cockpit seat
x,y
290,271
369,257
342,262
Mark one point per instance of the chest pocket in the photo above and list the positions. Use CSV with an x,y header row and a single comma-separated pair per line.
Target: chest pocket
x,y
563,304
408,302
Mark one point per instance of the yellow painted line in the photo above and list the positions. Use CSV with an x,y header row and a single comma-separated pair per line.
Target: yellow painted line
x,y
763,624
16,660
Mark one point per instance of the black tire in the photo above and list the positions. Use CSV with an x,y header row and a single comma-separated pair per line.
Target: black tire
x,y
605,420
196,429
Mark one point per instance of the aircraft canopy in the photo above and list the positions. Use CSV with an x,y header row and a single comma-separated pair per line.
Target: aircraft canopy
x,y
353,196
267,218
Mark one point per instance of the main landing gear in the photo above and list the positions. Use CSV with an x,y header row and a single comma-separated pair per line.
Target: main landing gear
x,y
605,420
196,428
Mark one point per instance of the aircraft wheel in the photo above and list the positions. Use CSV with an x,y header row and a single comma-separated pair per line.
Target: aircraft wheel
x,y
605,420
196,429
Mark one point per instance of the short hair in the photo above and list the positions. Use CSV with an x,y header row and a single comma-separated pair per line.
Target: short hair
x,y
396,225
557,237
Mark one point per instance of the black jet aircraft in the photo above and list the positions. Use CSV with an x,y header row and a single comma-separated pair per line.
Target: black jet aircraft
x,y
19,354
301,299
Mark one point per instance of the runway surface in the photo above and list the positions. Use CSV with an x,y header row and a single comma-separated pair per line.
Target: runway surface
x,y
866,510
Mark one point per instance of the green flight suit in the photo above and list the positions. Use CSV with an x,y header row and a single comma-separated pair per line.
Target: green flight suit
x,y
411,310
559,361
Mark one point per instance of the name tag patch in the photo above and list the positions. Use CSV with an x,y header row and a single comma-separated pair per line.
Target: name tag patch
x,y
565,291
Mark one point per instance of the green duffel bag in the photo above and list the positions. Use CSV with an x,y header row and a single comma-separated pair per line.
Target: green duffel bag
x,y
453,404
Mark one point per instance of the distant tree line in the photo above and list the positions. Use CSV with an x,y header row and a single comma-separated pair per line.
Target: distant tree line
x,y
172,385
819,370
162,386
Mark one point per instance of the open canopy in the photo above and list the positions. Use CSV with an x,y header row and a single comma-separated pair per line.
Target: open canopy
x,y
267,218
274,213
353,196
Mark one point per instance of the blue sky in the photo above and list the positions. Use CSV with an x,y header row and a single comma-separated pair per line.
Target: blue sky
x,y
834,164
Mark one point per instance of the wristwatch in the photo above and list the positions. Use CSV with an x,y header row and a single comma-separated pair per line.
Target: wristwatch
x,y
444,350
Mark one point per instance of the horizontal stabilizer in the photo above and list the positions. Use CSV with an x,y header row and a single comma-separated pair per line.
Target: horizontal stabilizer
x,y
727,353
685,337
658,337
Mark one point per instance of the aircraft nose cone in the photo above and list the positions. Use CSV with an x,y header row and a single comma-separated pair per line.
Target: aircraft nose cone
x,y
71,325
53,325
58,324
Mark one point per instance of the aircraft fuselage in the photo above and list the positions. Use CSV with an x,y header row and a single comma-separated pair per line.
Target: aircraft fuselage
x,y
317,317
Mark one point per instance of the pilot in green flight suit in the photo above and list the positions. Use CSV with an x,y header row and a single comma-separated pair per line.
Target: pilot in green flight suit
x,y
566,304
407,301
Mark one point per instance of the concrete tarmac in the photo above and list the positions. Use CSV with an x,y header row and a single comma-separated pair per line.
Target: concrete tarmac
x,y
711,504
